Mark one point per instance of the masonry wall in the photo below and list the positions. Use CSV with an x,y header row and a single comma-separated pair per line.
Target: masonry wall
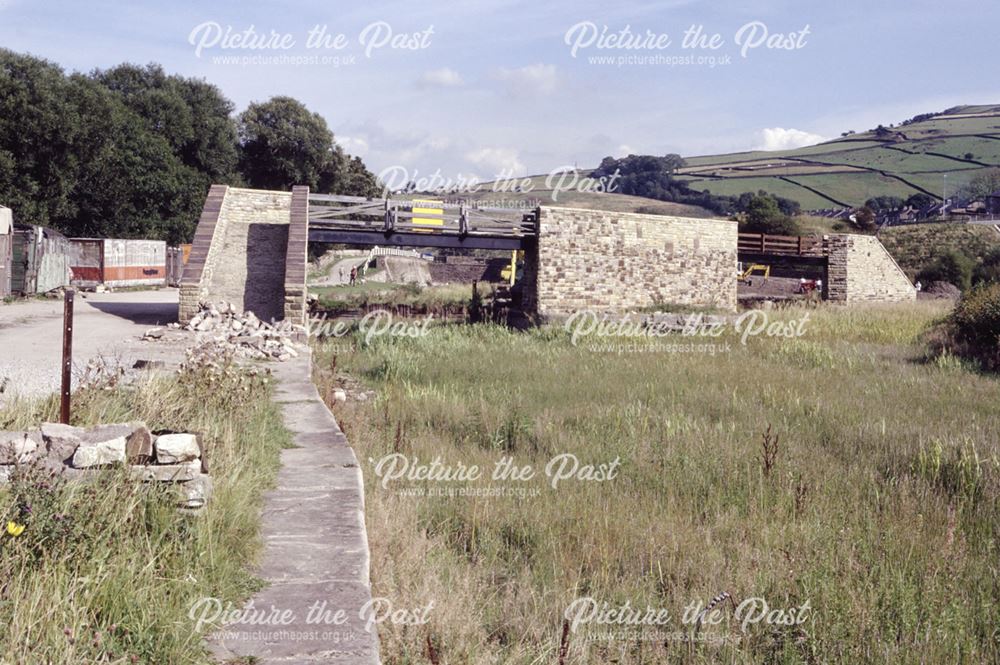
x,y
860,269
239,253
608,261
296,257
204,252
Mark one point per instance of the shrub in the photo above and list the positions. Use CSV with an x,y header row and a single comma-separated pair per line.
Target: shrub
x,y
977,316
950,265
989,269
764,215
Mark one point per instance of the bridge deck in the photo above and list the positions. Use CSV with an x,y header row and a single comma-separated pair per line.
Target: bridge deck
x,y
418,223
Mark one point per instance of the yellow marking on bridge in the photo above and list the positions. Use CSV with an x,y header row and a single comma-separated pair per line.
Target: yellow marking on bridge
x,y
427,207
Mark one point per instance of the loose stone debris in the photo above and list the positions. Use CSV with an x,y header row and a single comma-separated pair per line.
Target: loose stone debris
x,y
76,453
242,335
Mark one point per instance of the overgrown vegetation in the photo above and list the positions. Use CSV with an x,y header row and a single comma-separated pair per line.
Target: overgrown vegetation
x,y
972,331
368,294
107,571
829,468
949,265
918,247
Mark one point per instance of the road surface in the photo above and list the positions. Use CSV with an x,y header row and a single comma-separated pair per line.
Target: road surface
x,y
106,325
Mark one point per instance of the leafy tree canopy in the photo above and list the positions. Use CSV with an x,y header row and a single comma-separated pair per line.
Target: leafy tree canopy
x,y
130,151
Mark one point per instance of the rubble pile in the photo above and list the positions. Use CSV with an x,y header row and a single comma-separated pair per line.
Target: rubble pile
x,y
77,453
230,332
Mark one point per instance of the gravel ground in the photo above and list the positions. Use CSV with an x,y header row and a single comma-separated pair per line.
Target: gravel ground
x,y
106,325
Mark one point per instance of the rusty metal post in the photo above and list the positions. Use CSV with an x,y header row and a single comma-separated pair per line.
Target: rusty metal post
x,y
67,357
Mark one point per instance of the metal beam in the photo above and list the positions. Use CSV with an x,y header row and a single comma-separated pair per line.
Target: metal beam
x,y
402,239
781,259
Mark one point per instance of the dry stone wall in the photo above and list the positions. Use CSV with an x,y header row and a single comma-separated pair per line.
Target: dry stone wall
x,y
611,261
76,453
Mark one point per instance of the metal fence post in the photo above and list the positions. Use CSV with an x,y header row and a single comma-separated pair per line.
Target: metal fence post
x,y
67,357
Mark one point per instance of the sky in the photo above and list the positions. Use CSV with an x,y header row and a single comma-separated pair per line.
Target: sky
x,y
482,89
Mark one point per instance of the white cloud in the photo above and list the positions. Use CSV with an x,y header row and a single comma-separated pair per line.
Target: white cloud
x,y
353,145
778,138
532,79
440,78
624,150
497,160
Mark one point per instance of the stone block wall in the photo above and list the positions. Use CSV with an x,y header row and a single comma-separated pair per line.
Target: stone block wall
x,y
860,269
63,451
610,261
204,252
296,257
239,253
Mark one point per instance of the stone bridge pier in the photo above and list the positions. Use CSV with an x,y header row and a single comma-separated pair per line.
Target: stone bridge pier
x,y
250,250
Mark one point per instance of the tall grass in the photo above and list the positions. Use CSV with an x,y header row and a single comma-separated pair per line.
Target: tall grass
x,y
878,506
106,571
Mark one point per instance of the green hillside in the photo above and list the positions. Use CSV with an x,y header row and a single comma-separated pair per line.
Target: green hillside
x,y
896,161
915,245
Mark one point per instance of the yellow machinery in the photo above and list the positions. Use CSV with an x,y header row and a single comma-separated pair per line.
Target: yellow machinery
x,y
510,272
744,273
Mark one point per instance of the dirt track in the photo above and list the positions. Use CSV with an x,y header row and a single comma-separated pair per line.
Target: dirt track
x,y
107,325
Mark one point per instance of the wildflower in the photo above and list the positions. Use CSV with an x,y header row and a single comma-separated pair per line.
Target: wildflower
x,y
14,529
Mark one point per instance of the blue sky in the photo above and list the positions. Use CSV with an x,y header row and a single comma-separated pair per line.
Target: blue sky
x,y
494,85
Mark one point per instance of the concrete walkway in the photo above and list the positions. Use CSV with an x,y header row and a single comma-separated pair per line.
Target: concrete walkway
x,y
316,554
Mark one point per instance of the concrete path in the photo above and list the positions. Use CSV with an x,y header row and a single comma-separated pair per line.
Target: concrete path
x,y
316,554
106,325
340,272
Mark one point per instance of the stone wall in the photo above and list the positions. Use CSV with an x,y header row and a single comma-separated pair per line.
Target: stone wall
x,y
861,270
64,451
610,261
296,257
239,253
204,252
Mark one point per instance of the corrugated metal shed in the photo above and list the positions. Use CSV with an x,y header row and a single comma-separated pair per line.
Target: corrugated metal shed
x,y
41,260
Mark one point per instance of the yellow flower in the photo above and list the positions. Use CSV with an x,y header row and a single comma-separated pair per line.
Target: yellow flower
x,y
15,529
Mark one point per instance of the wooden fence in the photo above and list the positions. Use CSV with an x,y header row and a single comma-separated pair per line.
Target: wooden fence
x,y
762,243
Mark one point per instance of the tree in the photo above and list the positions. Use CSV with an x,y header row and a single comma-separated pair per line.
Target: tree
x,y
919,200
880,203
950,265
38,127
283,144
192,114
129,183
130,151
347,175
981,185
763,215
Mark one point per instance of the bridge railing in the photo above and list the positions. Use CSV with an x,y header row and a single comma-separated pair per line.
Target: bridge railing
x,y
763,243
418,216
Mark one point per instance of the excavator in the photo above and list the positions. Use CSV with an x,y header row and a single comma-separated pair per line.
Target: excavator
x,y
744,273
